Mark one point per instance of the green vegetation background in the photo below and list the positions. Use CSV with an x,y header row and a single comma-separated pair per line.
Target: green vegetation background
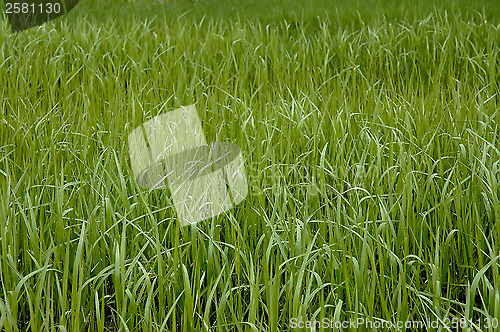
x,y
370,132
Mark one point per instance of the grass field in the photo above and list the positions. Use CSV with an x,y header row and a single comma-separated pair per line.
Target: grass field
x,y
371,137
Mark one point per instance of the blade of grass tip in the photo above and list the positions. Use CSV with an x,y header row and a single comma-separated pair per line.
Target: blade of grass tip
x,y
21,283
99,313
338,311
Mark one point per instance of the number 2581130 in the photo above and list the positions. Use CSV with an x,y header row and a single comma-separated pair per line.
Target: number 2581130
x,y
31,8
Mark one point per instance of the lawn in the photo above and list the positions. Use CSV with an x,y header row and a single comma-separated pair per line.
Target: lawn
x,y
370,133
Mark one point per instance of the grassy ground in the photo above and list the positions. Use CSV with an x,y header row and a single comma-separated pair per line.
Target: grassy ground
x,y
371,140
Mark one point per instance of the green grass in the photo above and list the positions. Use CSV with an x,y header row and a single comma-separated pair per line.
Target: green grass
x,y
371,139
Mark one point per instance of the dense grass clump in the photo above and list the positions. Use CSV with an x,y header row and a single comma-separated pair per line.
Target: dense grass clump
x,y
371,140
